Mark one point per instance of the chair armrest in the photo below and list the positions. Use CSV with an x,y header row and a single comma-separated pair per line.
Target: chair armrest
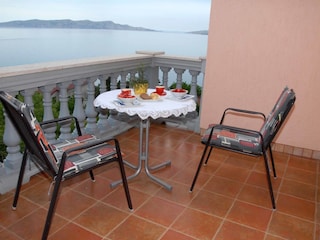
x,y
249,112
62,121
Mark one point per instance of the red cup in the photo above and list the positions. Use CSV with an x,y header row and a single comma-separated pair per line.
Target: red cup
x,y
160,90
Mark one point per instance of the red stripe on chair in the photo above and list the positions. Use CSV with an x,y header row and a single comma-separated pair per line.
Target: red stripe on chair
x,y
105,151
246,143
85,137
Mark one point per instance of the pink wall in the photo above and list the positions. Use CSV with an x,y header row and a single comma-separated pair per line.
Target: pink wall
x,y
256,47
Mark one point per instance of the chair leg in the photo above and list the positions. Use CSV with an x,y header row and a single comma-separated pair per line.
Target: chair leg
x,y
20,179
269,180
207,159
200,165
53,201
92,176
125,183
272,163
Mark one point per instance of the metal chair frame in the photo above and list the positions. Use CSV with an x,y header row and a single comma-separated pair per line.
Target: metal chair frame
x,y
265,141
35,152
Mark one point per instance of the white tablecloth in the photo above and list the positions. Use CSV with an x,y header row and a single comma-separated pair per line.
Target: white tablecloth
x,y
163,108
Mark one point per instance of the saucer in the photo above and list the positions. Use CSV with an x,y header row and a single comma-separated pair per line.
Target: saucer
x,y
163,94
184,98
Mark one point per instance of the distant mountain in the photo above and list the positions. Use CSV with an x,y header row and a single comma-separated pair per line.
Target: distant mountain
x,y
83,24
203,32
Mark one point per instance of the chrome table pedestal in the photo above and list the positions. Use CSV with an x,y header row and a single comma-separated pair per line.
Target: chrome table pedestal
x,y
144,157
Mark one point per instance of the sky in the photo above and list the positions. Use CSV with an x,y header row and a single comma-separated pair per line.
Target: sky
x,y
162,15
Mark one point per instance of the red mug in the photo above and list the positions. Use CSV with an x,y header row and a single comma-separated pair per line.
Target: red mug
x,y
160,90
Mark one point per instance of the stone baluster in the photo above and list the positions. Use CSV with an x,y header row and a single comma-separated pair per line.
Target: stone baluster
x,y
132,75
152,74
91,114
112,122
179,73
103,114
64,111
113,82
193,89
27,94
78,110
103,83
123,79
12,140
47,111
165,76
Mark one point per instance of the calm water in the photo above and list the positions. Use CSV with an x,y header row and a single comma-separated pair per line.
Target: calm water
x,y
24,46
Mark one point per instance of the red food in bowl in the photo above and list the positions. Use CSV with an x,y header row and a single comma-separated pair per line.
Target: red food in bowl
x,y
126,96
125,93
180,90
127,99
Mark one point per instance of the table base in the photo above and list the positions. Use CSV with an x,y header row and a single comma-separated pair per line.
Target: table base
x,y
143,156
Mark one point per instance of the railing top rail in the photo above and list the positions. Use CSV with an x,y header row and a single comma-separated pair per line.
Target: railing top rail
x,y
16,78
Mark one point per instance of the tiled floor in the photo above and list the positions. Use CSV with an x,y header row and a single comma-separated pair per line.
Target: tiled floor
x,y
230,199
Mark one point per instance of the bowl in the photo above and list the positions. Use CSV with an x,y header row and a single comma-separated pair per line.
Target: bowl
x,y
179,92
127,99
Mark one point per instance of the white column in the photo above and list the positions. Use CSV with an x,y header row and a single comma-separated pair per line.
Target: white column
x,y
78,110
194,80
12,140
103,115
27,94
113,82
165,76
91,113
123,79
179,73
47,111
65,130
152,74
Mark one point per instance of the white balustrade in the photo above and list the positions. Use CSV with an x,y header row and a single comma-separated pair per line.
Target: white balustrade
x,y
79,78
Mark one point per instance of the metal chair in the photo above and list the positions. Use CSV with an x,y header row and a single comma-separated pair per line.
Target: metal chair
x,y
247,141
66,158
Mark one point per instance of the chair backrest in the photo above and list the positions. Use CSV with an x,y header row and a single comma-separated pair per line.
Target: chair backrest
x,y
277,115
30,132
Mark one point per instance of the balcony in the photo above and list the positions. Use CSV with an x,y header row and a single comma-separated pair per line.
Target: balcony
x,y
230,199
80,78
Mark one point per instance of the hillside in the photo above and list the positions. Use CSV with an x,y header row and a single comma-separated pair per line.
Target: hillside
x,y
203,32
83,24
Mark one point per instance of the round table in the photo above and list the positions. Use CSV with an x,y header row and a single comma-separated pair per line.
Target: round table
x,y
164,107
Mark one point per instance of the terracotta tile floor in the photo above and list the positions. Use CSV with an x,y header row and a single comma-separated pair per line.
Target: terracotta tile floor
x,y
230,199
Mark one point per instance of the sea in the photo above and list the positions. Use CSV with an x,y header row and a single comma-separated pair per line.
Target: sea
x,y
19,46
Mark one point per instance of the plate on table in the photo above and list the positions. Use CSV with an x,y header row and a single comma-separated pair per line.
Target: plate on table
x,y
184,98
161,95
150,99
120,103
